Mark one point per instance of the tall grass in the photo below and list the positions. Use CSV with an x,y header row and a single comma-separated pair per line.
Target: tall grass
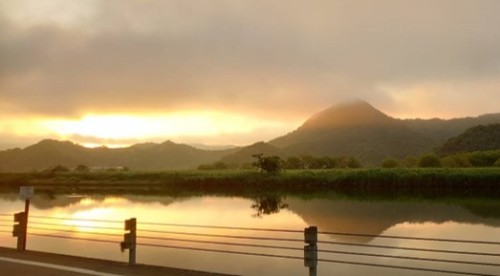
x,y
414,181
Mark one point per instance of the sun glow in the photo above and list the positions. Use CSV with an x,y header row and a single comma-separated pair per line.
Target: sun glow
x,y
122,130
128,126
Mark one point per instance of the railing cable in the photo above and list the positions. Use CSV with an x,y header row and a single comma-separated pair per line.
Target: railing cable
x,y
222,227
220,236
411,248
409,238
321,260
71,238
221,251
76,232
408,258
222,243
75,225
77,219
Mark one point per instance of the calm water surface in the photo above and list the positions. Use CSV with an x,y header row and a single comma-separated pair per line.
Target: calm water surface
x,y
403,218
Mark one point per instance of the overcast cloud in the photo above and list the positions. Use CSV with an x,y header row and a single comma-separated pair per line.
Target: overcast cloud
x,y
281,58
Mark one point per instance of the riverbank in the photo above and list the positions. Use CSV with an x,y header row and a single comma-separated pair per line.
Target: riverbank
x,y
417,181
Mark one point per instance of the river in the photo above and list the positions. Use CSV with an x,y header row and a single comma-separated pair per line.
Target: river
x,y
468,220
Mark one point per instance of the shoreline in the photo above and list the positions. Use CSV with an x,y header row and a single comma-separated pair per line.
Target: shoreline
x,y
390,182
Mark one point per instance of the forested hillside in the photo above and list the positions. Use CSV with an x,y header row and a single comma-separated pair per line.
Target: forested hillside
x,y
479,138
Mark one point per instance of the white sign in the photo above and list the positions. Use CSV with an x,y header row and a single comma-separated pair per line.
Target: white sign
x,y
26,192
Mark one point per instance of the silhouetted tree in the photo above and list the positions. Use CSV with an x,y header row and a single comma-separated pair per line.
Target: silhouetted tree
x,y
311,162
456,161
82,168
269,164
219,165
350,162
294,163
483,158
410,161
58,168
390,163
430,160
328,162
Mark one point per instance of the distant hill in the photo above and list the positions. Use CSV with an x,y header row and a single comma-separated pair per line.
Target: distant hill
x,y
478,138
355,129
351,129
148,156
358,129
441,130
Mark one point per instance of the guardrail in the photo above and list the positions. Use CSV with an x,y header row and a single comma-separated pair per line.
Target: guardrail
x,y
131,234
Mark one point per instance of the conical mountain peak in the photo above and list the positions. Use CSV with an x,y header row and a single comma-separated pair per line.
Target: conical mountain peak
x,y
356,113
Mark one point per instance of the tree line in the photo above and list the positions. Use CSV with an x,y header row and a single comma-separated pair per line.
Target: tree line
x,y
275,163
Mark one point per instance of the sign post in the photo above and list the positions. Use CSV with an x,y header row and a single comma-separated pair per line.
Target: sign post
x,y
26,193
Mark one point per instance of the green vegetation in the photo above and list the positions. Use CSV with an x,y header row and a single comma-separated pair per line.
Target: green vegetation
x,y
82,168
427,182
430,160
291,163
478,138
57,169
217,165
390,163
268,164
358,129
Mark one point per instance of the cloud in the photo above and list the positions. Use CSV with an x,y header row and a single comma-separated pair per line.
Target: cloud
x,y
281,58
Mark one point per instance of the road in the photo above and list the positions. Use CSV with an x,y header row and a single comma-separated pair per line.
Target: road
x,y
46,264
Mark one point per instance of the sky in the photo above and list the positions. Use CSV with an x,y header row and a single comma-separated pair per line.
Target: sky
x,y
228,72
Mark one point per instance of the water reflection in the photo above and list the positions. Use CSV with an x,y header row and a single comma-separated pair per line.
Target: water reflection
x,y
268,205
469,220
375,217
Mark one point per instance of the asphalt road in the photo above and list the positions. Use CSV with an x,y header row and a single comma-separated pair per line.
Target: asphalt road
x,y
14,263
8,268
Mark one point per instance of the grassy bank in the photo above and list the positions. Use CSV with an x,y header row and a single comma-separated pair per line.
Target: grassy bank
x,y
426,182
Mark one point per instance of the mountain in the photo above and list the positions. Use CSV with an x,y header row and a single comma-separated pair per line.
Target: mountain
x,y
350,129
355,129
441,130
147,156
360,130
478,138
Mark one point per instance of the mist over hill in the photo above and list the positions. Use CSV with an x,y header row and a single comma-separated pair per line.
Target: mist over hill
x,y
349,129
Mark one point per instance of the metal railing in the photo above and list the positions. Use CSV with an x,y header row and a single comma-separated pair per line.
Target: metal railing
x,y
130,234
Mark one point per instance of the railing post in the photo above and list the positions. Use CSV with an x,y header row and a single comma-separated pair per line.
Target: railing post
x,y
311,249
20,230
26,217
130,239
